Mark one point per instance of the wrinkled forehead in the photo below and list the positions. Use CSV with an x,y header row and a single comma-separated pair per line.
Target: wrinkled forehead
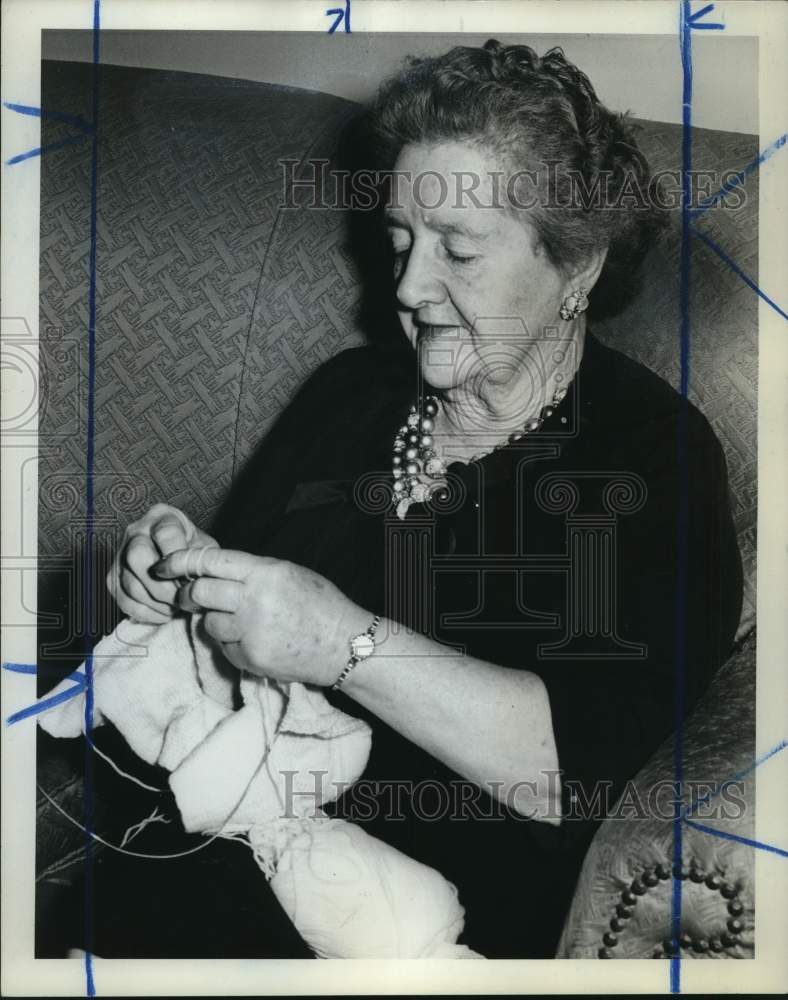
x,y
435,175
457,177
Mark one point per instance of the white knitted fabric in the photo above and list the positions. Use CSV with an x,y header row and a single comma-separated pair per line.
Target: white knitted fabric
x,y
250,773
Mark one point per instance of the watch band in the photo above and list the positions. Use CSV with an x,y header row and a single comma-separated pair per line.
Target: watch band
x,y
354,657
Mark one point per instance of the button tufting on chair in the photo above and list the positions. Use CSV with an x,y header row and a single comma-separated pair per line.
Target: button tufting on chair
x,y
696,943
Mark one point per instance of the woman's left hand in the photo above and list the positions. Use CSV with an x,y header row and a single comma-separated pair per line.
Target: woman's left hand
x,y
270,617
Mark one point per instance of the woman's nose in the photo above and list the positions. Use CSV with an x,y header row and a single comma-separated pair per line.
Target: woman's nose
x,y
418,285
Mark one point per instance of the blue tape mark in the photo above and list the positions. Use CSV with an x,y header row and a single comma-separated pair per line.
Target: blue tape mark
x,y
737,270
56,116
89,526
43,150
740,177
47,703
737,777
20,668
736,838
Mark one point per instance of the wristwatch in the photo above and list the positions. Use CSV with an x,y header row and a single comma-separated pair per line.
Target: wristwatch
x,y
362,646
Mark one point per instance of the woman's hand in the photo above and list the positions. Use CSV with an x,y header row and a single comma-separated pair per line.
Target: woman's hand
x,y
270,617
161,531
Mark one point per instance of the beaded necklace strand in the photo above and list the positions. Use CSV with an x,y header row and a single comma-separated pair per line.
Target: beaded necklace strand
x,y
414,454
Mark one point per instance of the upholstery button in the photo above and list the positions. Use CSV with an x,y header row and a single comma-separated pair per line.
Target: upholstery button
x,y
638,888
680,871
663,871
715,944
629,897
650,879
735,926
701,945
617,924
624,912
604,953
671,946
610,939
735,908
685,940
697,875
728,890
713,881
728,940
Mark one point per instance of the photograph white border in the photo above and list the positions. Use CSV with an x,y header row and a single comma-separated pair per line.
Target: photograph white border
x,y
22,975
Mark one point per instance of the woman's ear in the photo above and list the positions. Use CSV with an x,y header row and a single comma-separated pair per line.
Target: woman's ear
x,y
588,273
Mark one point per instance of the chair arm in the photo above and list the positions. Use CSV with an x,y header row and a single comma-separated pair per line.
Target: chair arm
x,y
623,901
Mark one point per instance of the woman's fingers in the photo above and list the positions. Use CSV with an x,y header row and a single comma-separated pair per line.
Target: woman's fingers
x,y
222,627
133,589
183,599
227,564
210,594
171,532
139,557
216,595
142,612
161,531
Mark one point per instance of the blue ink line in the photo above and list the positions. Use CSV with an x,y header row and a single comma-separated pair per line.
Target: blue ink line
x,y
47,703
701,13
43,150
737,839
737,270
740,177
693,20
685,43
20,668
341,15
56,116
736,777
89,525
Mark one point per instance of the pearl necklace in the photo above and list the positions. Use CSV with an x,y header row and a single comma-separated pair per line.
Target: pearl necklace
x,y
414,452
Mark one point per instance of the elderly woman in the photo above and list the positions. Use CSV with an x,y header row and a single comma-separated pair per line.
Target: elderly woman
x,y
502,546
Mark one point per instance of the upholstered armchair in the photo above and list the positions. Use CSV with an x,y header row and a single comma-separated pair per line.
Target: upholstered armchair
x,y
214,305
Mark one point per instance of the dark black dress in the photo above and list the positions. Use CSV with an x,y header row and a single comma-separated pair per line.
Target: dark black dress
x,y
561,555
599,553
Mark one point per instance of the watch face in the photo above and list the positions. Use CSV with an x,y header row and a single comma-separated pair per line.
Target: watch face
x,y
362,646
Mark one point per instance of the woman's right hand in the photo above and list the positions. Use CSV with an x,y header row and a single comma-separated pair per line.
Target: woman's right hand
x,y
161,531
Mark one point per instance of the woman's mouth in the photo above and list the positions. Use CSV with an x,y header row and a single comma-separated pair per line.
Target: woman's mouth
x,y
429,331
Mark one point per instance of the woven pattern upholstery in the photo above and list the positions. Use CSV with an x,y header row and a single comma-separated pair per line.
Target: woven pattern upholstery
x,y
189,189
723,319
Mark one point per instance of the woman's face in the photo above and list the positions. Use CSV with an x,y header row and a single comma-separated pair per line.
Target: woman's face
x,y
476,296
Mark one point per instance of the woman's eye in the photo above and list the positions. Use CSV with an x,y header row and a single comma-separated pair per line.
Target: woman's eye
x,y
399,256
459,258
